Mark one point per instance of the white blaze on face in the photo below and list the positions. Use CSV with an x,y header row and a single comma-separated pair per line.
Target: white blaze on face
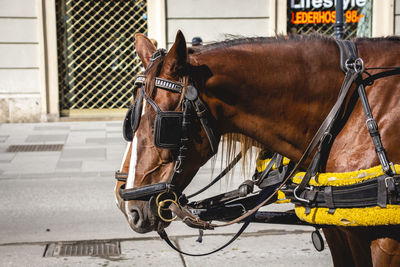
x,y
131,174
132,165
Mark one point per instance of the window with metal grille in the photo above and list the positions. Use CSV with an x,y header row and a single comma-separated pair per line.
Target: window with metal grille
x,y
308,16
96,52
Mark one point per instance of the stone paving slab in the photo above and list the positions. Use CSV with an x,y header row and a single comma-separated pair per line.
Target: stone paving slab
x,y
83,153
6,157
69,164
31,163
49,128
114,124
100,165
87,130
88,127
46,138
3,138
105,141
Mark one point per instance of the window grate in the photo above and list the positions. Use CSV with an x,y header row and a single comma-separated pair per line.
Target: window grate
x,y
96,52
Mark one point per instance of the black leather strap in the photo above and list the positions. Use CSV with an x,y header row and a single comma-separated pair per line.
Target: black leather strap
x,y
348,53
164,236
372,127
392,71
350,77
204,117
121,176
371,193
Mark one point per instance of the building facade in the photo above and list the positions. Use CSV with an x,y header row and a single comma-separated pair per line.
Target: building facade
x,y
76,58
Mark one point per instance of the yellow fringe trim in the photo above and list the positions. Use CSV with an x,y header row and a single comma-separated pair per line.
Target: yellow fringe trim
x,y
345,178
352,217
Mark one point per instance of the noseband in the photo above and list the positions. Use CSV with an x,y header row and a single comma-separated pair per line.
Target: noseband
x,y
171,129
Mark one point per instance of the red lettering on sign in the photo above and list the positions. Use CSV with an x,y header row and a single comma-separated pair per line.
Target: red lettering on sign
x,y
323,17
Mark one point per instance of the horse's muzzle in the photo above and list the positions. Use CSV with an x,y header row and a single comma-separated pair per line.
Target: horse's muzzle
x,y
142,215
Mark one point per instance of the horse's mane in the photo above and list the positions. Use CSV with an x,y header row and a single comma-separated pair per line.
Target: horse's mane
x,y
232,143
236,41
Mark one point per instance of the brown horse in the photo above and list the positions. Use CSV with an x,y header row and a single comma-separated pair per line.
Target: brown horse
x,y
276,91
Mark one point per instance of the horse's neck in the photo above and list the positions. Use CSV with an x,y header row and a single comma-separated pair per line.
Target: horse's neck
x,y
275,93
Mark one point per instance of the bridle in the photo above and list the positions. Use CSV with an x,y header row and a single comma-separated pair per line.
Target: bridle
x,y
171,131
166,195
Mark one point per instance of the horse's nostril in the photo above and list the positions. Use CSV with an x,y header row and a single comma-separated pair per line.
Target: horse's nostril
x,y
135,216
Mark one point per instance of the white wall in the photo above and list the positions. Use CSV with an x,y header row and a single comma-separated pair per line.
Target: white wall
x,y
397,18
382,18
20,61
214,20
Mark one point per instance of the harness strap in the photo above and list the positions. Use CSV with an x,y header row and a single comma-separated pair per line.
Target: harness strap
x,y
202,114
323,132
348,53
274,176
242,191
121,176
165,237
375,192
370,80
267,169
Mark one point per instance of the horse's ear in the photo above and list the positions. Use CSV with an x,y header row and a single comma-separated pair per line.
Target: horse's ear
x,y
144,48
175,61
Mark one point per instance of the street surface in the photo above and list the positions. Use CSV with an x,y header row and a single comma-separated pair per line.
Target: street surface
x,y
68,196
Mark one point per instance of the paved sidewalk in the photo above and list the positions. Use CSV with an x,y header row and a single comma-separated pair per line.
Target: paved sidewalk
x,y
67,195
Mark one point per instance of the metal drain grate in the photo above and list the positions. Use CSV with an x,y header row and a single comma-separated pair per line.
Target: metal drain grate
x,y
83,248
34,148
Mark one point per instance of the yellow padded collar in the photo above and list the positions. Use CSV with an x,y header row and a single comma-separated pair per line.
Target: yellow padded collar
x,y
344,178
368,216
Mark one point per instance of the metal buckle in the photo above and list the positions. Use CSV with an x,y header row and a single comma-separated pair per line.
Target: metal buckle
x,y
299,198
391,181
357,65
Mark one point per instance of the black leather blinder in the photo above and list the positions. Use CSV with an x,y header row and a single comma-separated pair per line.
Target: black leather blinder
x,y
127,127
137,112
132,118
168,126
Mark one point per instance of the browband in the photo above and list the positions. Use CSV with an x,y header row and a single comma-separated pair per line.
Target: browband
x,y
161,83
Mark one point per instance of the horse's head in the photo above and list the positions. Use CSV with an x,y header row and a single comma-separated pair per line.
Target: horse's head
x,y
175,132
